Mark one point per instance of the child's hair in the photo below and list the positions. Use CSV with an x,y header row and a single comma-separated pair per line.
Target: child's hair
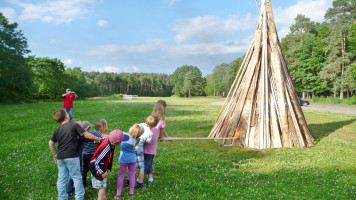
x,y
152,121
135,132
158,111
78,121
163,103
59,115
100,125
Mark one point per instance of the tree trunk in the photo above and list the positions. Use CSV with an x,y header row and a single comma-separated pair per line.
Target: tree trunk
x,y
189,94
334,90
343,38
303,95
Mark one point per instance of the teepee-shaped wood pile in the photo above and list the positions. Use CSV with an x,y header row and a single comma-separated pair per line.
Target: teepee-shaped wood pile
x,y
262,109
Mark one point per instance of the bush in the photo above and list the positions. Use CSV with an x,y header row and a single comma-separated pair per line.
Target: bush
x,y
116,96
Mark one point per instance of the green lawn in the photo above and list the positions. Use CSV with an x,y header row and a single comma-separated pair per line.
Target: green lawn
x,y
186,169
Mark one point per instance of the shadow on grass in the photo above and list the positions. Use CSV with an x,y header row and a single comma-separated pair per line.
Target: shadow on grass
x,y
320,131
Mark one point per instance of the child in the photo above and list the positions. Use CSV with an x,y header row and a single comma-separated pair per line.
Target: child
x,y
127,159
146,137
67,156
101,162
101,126
70,186
151,148
89,149
161,112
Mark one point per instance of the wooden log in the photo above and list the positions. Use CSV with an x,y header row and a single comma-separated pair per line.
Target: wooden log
x,y
195,138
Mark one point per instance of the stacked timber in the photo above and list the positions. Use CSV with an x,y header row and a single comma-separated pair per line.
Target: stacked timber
x,y
262,109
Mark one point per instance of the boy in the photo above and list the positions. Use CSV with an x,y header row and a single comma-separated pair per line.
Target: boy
x,y
146,137
67,157
101,162
89,149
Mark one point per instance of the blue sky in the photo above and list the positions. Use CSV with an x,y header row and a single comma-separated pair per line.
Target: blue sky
x,y
151,36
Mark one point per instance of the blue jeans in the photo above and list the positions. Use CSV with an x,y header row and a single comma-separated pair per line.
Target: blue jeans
x,y
70,112
69,167
148,163
70,184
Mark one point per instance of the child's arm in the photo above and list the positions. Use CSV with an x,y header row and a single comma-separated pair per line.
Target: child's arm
x,y
164,132
92,137
54,150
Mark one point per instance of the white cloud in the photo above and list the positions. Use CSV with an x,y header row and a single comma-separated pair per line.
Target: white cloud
x,y
313,9
54,41
67,62
102,69
172,2
209,28
9,13
58,11
102,23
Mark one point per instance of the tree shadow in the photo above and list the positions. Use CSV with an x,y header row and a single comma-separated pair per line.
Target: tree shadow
x,y
320,131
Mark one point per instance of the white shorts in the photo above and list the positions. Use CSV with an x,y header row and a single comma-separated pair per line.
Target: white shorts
x,y
98,184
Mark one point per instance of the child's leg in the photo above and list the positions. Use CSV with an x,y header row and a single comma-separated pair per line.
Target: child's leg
x,y
63,175
132,169
86,161
141,176
120,180
101,194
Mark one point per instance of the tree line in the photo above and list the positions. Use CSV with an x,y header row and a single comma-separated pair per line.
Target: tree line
x,y
320,57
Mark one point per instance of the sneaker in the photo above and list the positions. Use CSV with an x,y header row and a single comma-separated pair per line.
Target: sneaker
x,y
150,182
140,185
117,196
127,184
131,195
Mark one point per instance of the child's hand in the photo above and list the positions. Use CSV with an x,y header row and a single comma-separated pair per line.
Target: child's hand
x,y
105,175
55,160
161,139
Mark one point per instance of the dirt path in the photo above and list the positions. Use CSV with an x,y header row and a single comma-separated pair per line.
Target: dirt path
x,y
321,107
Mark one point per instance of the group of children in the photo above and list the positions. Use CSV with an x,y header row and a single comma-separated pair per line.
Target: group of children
x,y
81,149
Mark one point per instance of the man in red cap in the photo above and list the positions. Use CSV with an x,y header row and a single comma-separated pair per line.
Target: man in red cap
x,y
68,102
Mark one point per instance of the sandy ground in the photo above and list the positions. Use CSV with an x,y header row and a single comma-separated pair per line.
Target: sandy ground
x,y
321,107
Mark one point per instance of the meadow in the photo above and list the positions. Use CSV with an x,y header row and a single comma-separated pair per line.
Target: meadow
x,y
188,169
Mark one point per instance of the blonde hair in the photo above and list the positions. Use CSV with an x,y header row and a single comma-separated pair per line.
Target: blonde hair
x,y
158,111
100,125
152,121
135,132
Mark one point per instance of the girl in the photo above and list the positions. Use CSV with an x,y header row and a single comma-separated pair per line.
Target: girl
x,y
101,126
127,159
150,149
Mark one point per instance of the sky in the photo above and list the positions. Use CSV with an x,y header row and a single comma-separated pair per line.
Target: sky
x,y
150,36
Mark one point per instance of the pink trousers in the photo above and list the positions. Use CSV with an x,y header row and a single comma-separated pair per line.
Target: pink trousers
x,y
120,181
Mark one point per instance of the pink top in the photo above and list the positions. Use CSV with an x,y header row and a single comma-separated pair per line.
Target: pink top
x,y
150,148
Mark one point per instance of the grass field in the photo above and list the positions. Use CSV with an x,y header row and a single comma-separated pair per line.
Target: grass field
x,y
186,169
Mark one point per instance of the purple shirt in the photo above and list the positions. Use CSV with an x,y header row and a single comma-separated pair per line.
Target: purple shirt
x,y
150,148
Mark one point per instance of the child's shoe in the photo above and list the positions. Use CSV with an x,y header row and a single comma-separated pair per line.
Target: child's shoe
x,y
151,182
117,196
140,185
131,195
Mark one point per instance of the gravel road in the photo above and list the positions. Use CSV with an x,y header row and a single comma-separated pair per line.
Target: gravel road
x,y
322,107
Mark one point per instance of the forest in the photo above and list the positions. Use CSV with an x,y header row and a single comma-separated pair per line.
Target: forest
x,y
320,57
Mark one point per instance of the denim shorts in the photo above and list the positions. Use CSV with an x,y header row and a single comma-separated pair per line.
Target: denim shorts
x,y
140,163
98,184
148,163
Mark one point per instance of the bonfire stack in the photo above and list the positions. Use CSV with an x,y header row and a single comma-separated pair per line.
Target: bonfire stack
x,y
262,109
